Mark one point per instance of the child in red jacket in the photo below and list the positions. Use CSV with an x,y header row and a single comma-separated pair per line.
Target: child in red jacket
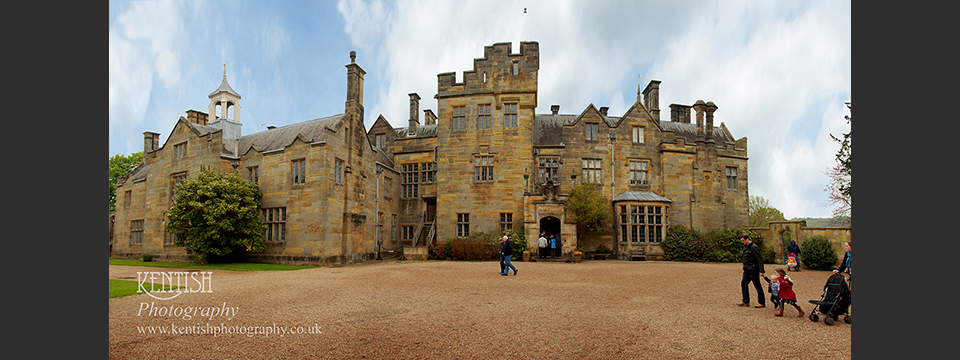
x,y
786,294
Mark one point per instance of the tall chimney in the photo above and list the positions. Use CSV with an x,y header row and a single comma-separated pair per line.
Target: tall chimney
x,y
711,107
355,80
414,113
699,106
555,109
651,99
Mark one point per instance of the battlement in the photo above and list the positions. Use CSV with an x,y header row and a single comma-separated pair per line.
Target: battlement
x,y
500,70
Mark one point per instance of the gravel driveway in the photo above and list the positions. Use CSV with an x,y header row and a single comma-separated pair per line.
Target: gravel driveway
x,y
441,309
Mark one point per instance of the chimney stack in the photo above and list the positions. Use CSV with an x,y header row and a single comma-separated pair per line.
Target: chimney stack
x,y
555,109
150,141
711,107
429,118
414,113
680,113
603,110
699,106
355,80
651,99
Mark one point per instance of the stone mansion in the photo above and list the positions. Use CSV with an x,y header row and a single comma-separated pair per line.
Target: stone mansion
x,y
485,161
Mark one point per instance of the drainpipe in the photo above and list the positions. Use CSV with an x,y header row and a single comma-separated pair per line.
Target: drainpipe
x,y
379,171
613,166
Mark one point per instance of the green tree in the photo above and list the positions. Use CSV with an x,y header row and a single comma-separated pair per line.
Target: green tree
x,y
839,190
589,208
761,213
215,215
121,165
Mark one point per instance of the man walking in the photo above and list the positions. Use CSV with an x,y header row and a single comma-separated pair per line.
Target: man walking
x,y
506,252
752,271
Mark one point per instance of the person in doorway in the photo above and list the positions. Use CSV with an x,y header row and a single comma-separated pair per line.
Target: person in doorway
x,y
558,252
752,272
542,244
793,248
506,252
553,247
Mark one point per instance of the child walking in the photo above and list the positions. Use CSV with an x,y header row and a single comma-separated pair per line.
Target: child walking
x,y
774,291
785,293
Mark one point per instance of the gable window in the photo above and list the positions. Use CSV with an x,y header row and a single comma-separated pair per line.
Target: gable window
x,y
639,173
338,172
731,178
590,130
276,221
180,150
506,222
483,168
410,180
548,169
428,173
638,135
381,141
591,170
253,174
516,67
483,116
136,232
463,225
510,115
459,118
299,171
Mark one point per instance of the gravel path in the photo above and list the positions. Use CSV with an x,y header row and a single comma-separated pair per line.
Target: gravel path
x,y
465,310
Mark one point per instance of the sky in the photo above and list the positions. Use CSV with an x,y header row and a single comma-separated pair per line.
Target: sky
x,y
778,71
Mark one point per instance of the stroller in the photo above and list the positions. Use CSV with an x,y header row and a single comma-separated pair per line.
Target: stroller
x,y
792,262
834,302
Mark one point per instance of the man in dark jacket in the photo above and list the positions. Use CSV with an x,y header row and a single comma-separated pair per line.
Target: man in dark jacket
x,y
793,248
752,271
506,252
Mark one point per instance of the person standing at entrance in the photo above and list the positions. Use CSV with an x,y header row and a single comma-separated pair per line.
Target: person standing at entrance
x,y
553,247
752,272
506,252
558,252
542,244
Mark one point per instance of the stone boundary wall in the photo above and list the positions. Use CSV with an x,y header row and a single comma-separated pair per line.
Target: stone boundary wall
x,y
837,235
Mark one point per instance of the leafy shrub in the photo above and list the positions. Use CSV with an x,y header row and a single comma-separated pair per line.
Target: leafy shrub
x,y
818,253
603,248
769,256
146,257
683,244
720,255
479,246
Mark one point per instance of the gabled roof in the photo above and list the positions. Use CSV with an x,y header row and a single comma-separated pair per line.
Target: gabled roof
x,y
281,137
645,196
689,132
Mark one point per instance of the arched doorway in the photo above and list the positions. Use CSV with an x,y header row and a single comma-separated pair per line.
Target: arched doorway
x,y
550,226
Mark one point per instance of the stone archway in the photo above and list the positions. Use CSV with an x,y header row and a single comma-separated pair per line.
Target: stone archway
x,y
550,225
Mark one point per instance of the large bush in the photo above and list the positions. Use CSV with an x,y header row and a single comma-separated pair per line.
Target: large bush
x,y
818,253
479,246
684,244
216,216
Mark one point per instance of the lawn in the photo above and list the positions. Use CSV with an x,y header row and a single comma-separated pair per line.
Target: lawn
x,y
234,266
120,288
